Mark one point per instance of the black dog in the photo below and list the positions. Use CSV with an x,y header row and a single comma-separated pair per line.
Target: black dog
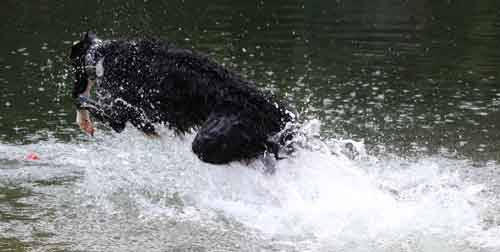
x,y
149,81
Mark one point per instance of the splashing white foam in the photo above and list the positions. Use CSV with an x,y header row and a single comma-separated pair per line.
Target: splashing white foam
x,y
315,201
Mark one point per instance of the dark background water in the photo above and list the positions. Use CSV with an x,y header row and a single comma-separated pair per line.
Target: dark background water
x,y
405,75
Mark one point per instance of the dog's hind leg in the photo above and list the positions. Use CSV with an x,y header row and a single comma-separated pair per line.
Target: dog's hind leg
x,y
224,138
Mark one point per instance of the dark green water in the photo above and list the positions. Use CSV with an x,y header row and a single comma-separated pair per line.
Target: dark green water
x,y
391,72
408,78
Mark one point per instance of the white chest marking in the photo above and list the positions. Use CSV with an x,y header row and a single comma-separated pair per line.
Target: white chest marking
x,y
99,68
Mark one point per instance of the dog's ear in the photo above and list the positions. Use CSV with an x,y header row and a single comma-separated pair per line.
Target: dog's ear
x,y
80,84
77,58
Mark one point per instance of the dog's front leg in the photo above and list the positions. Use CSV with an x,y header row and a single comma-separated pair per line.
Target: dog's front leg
x,y
103,113
127,112
117,114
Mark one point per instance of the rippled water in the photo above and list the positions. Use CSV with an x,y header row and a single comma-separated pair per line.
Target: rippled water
x,y
412,85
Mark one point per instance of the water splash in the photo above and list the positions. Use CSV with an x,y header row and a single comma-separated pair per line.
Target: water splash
x,y
158,191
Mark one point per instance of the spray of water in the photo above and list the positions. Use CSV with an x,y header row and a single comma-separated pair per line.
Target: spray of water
x,y
137,193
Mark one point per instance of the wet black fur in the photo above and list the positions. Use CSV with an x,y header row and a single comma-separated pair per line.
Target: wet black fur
x,y
149,81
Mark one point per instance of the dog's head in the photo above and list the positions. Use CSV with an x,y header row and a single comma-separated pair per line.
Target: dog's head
x,y
77,59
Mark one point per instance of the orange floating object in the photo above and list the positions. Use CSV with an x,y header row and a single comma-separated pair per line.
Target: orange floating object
x,y
32,157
